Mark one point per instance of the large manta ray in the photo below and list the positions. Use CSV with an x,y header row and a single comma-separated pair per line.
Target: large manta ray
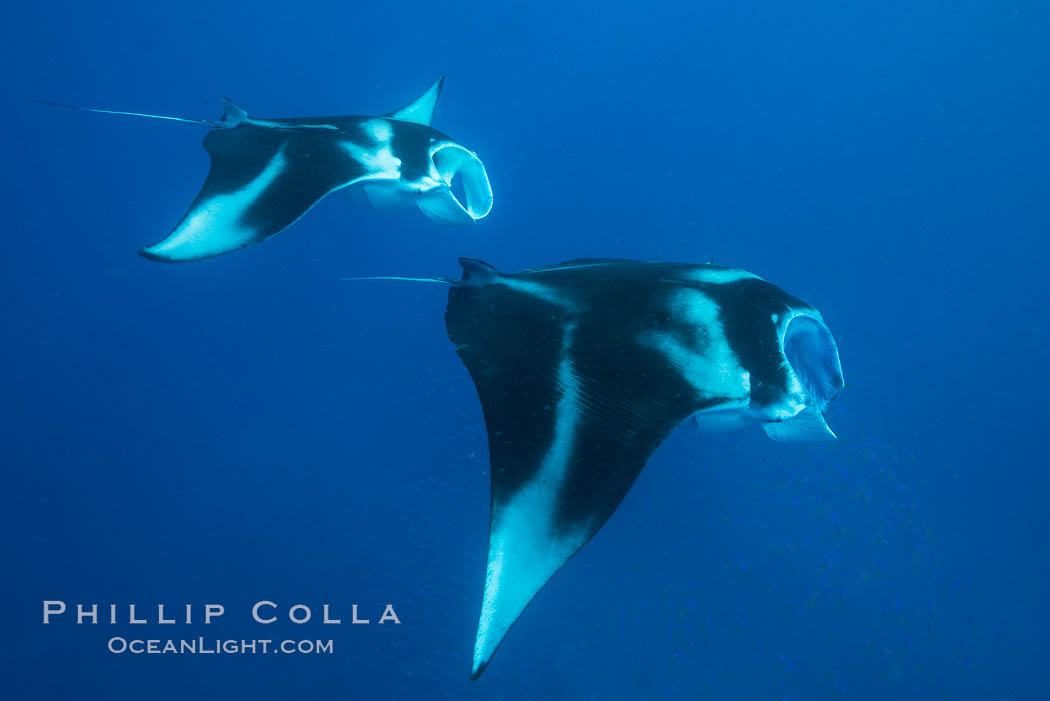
x,y
584,368
266,173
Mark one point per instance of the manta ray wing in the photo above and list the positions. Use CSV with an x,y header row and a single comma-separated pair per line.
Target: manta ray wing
x,y
266,173
574,407
262,179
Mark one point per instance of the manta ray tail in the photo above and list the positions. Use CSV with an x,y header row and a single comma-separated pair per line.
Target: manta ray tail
x,y
441,280
130,114
475,273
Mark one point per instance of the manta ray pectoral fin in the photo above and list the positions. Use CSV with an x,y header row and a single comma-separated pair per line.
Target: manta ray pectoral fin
x,y
573,409
421,110
261,181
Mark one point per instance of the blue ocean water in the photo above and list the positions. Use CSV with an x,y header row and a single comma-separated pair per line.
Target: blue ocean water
x,y
252,427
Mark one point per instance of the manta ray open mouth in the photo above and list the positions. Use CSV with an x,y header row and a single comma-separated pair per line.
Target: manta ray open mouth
x,y
811,352
467,195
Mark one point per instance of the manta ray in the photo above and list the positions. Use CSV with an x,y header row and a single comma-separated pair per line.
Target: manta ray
x,y
585,367
267,173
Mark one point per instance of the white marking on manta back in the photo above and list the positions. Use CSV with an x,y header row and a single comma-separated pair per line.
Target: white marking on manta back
x,y
525,550
719,276
197,234
385,188
379,130
537,289
293,127
378,163
560,268
704,358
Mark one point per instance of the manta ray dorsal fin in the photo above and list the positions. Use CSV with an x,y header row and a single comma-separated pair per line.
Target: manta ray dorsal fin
x,y
421,110
232,113
478,272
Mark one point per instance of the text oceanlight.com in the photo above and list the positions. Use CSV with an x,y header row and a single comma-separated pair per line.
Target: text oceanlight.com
x,y
203,646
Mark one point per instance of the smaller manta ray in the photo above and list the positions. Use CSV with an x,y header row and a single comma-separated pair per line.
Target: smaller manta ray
x,y
267,173
584,368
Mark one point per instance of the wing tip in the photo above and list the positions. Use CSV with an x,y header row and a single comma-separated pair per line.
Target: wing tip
x,y
149,254
481,661
146,253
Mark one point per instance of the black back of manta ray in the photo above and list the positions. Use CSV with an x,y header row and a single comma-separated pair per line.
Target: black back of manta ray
x,y
582,370
512,343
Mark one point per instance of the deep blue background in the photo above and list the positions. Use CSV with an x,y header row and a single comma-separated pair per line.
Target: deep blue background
x,y
252,427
